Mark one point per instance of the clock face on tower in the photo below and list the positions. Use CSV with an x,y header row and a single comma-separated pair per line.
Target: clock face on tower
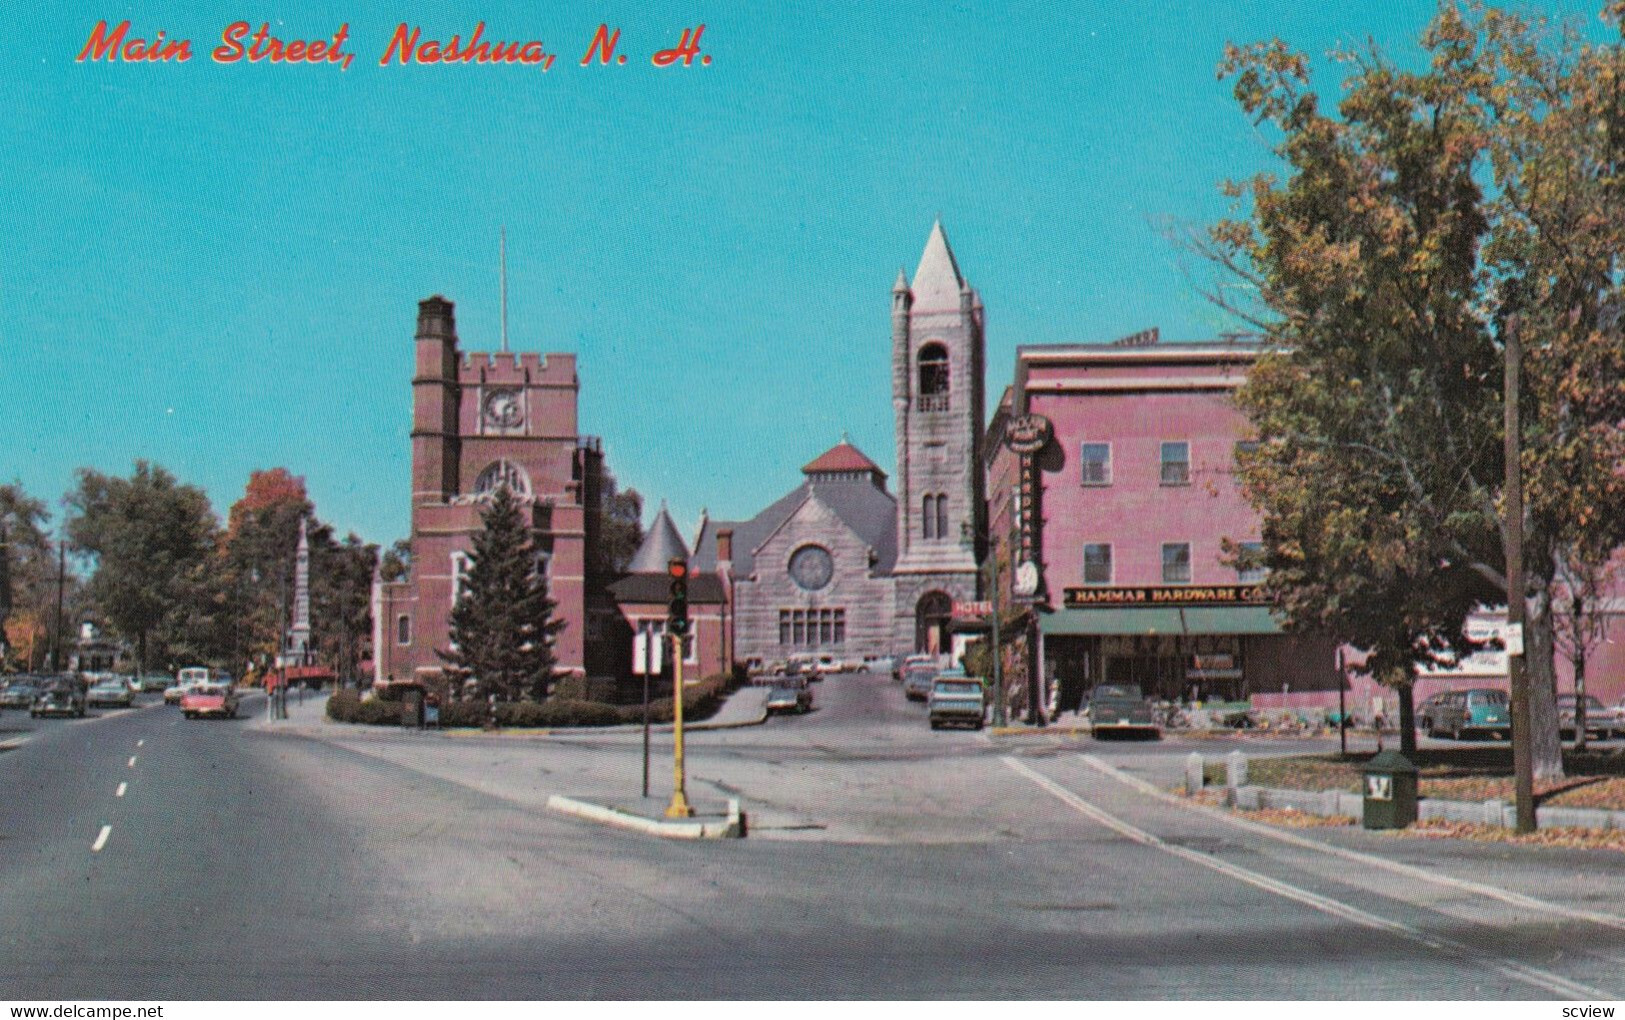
x,y
502,408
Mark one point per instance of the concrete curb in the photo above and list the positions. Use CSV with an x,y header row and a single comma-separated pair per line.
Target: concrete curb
x,y
1328,803
13,743
731,827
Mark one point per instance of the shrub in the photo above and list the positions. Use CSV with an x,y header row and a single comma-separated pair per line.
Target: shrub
x,y
566,712
463,713
343,706
587,688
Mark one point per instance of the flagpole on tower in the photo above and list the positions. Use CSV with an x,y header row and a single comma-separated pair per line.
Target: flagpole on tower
x,y
504,257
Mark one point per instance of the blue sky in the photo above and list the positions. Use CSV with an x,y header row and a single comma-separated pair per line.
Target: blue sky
x,y
216,267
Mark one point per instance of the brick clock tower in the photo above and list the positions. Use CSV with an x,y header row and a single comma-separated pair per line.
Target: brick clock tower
x,y
937,397
480,421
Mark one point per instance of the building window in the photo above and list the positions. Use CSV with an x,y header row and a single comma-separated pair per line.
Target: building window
x,y
933,378
1176,563
812,628
503,473
460,564
1096,459
1097,563
1252,551
1176,463
942,516
928,517
403,629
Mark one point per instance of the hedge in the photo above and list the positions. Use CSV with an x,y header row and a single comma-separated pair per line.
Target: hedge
x,y
700,701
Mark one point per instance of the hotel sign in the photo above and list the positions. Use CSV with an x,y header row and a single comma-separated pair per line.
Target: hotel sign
x,y
1028,433
1168,595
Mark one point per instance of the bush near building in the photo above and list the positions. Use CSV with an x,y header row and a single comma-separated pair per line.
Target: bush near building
x,y
567,708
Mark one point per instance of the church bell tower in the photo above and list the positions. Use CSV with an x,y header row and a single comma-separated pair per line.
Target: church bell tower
x,y
938,360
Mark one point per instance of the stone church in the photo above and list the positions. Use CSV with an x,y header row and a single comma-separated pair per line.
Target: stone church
x,y
842,566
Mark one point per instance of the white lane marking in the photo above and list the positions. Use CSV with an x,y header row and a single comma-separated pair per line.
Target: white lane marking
x,y
121,788
132,761
1408,870
101,840
1511,968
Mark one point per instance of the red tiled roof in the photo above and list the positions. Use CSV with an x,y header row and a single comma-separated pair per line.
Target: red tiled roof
x,y
843,456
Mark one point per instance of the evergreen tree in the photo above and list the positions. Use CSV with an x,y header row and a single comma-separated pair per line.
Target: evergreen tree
x,y
502,628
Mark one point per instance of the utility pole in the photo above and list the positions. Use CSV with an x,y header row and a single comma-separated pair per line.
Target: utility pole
x,y
1512,535
648,668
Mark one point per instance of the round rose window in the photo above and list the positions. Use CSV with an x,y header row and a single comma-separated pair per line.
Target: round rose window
x,y
811,567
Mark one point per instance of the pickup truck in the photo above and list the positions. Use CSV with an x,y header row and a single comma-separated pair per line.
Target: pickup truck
x,y
955,700
1121,708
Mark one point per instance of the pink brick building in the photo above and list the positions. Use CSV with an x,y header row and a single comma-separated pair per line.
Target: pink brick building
x,y
480,420
1137,497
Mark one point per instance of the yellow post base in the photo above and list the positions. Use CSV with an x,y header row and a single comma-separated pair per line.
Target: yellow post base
x,y
679,806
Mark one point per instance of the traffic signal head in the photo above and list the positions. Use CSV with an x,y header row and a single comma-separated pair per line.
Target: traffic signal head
x,y
677,608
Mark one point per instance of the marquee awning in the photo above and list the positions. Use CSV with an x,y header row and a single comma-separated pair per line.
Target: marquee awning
x,y
1153,620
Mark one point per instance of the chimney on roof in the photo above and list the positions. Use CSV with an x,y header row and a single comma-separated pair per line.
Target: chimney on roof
x,y
725,550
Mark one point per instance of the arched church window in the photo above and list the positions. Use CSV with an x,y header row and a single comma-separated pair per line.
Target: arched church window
x,y
942,515
928,517
502,473
934,377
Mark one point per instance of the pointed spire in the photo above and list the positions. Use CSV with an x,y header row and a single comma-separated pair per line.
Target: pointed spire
x,y
660,545
937,282
902,281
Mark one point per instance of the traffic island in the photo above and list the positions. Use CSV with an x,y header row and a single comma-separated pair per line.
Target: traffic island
x,y
648,817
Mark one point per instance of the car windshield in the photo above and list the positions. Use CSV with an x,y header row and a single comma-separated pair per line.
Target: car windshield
x,y
958,687
1117,691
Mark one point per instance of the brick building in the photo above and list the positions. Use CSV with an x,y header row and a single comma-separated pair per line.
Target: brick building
x,y
1136,497
479,421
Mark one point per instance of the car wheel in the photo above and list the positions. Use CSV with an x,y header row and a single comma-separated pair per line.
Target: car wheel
x,y
977,725
935,724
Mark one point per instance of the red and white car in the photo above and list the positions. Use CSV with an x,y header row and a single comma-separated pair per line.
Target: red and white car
x,y
209,699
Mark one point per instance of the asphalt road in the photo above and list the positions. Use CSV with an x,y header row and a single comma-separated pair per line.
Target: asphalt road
x,y
885,860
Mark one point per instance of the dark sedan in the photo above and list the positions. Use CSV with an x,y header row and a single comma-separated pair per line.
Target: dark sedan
x,y
62,700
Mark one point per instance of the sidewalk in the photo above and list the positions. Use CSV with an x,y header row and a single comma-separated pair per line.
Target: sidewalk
x,y
745,707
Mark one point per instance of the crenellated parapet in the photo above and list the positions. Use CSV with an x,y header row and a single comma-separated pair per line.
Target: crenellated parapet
x,y
518,368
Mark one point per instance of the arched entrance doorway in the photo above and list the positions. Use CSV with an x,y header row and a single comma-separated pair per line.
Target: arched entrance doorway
x,y
932,614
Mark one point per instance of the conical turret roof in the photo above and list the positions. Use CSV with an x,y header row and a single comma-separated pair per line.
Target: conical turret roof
x,y
937,282
660,545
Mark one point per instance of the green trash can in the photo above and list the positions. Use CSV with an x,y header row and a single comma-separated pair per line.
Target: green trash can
x,y
1390,791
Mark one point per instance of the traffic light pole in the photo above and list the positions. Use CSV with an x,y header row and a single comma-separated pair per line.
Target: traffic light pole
x,y
679,807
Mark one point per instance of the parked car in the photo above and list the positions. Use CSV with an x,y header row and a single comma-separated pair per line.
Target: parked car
x,y
58,699
1599,721
790,694
1428,709
111,692
155,682
1121,708
174,693
1481,711
20,692
209,699
917,680
956,700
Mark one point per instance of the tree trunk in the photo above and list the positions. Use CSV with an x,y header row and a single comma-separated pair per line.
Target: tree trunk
x,y
1579,691
1406,695
1546,745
